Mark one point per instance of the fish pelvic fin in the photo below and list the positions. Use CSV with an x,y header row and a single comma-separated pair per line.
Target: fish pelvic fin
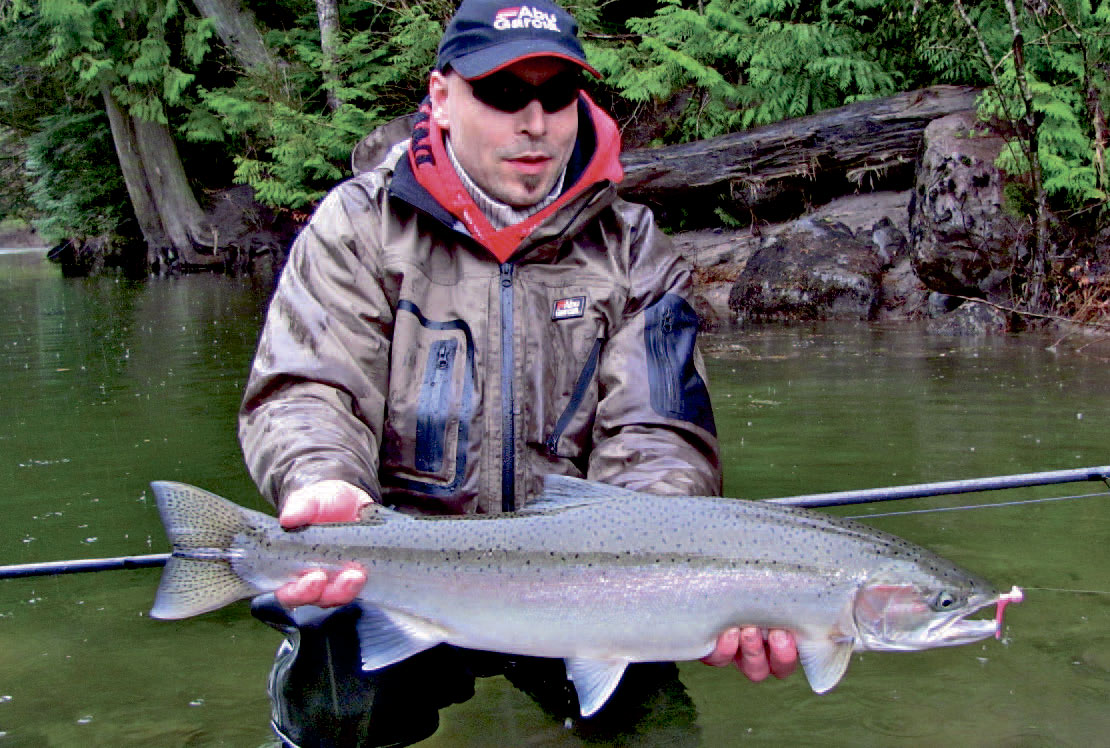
x,y
386,637
824,660
594,681
199,577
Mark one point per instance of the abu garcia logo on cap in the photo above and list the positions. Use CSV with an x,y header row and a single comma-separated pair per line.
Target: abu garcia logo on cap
x,y
524,17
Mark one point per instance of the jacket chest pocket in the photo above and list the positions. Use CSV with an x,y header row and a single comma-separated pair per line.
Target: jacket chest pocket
x,y
563,346
431,405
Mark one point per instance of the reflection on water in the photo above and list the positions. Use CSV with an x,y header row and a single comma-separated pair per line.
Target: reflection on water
x,y
109,384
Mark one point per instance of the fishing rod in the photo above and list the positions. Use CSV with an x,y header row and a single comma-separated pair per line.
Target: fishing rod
x,y
943,488
835,498
76,566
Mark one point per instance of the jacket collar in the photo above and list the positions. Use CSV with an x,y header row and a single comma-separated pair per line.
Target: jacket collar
x,y
426,179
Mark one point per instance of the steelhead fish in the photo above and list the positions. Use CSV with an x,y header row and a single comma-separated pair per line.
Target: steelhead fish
x,y
597,575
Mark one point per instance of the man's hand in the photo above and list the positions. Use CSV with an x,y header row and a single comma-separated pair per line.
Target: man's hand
x,y
320,503
755,657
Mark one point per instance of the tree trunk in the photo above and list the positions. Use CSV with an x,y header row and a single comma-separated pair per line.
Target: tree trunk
x,y
328,13
238,30
850,142
165,207
1098,122
142,202
181,214
1038,264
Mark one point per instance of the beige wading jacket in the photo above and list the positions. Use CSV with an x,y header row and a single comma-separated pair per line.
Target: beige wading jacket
x,y
400,354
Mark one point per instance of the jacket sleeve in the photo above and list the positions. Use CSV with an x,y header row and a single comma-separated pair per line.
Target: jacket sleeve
x,y
654,429
314,402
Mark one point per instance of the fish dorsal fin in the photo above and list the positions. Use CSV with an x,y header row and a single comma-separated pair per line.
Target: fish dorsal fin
x,y
565,492
594,681
377,514
824,660
387,637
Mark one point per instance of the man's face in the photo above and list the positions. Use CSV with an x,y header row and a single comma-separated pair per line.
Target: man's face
x,y
516,157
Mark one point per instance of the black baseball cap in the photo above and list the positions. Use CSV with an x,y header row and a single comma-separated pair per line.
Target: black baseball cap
x,y
485,36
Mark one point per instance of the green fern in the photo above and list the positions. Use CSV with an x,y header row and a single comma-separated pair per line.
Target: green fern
x,y
1067,56
751,62
298,147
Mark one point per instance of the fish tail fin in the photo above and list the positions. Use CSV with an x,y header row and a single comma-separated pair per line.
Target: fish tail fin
x,y
202,527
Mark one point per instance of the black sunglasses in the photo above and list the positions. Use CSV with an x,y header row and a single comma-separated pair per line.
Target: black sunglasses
x,y
507,93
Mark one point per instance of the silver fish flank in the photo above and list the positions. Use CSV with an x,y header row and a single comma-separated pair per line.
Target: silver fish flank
x,y
596,575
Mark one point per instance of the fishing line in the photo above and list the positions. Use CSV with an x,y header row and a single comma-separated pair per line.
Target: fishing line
x,y
1061,589
977,506
1003,503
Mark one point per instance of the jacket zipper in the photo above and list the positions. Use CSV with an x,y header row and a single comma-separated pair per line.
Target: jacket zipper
x,y
671,371
433,406
584,378
508,436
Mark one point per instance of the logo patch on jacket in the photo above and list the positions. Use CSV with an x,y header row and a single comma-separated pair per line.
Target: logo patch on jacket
x,y
524,17
570,308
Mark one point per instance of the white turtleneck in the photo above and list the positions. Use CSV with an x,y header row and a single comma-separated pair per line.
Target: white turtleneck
x,y
498,213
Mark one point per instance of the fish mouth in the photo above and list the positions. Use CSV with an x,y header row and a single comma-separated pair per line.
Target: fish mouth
x,y
960,628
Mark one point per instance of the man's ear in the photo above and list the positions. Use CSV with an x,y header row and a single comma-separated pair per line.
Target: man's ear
x,y
437,93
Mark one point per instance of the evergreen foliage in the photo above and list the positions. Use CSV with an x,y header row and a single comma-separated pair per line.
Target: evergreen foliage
x,y
751,62
75,203
722,65
133,46
293,147
67,179
1067,66
24,94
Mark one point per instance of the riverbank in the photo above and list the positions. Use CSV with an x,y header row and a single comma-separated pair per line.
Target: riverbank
x,y
20,237
949,248
871,229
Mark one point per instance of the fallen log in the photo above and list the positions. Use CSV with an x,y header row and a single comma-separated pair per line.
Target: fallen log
x,y
867,138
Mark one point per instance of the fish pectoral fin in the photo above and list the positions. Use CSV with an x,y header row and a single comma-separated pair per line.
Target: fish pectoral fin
x,y
594,681
824,661
386,637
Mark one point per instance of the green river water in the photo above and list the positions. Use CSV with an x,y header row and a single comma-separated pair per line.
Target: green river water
x,y
107,384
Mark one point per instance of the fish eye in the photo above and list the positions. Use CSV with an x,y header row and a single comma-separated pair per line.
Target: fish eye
x,y
944,600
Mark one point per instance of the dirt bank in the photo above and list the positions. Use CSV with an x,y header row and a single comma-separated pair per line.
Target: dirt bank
x,y
19,238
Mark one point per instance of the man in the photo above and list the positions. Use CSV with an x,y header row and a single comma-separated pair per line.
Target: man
x,y
476,312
